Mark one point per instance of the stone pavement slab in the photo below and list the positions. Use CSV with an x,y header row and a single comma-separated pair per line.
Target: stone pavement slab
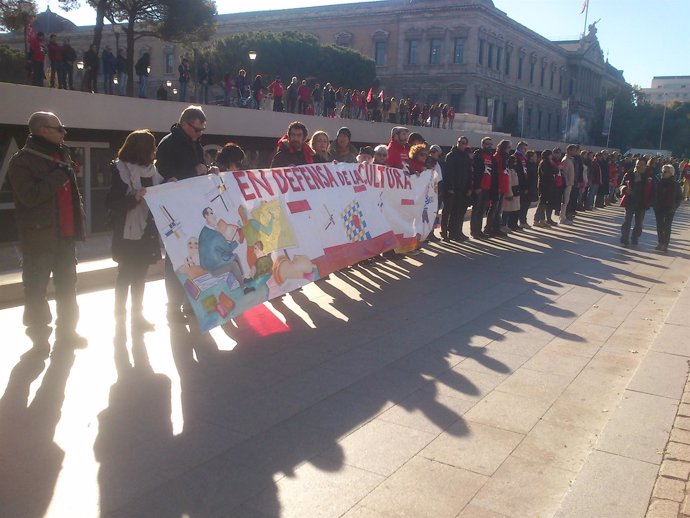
x,y
475,379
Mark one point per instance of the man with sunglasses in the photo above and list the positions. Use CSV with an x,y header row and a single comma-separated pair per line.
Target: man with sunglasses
x,y
180,156
49,215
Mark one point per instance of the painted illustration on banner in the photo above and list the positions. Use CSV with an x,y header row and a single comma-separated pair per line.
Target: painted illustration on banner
x,y
239,239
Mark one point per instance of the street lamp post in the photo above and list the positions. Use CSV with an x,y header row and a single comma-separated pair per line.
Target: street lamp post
x,y
252,58
663,122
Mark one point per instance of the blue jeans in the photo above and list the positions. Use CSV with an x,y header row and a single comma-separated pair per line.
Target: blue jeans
x,y
183,91
122,83
143,84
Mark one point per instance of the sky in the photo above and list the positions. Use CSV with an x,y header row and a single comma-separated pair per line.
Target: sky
x,y
641,37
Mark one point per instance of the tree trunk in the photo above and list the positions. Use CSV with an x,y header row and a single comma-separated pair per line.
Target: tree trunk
x,y
98,29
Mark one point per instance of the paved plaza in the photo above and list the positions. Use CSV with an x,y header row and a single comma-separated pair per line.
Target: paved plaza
x,y
534,376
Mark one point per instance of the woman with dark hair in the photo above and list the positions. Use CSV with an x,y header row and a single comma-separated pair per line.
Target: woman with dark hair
x,y
230,157
545,187
135,238
141,69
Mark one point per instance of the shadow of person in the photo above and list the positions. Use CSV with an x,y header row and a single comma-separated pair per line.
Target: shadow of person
x,y
134,430
30,461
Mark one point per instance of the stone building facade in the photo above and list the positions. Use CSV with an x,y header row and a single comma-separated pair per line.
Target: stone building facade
x,y
466,53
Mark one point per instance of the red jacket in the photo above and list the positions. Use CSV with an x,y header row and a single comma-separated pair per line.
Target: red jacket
x,y
396,154
54,52
303,93
503,175
276,87
38,51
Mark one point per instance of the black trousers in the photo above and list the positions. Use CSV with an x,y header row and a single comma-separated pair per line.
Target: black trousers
x,y
664,220
131,276
479,202
39,261
638,214
524,207
454,210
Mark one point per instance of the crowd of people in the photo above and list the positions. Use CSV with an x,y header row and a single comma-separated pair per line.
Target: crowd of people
x,y
238,90
500,183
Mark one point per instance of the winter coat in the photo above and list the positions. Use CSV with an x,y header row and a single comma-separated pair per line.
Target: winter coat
x,y
638,189
668,195
457,174
511,201
35,181
485,172
545,179
118,202
532,181
177,155
350,157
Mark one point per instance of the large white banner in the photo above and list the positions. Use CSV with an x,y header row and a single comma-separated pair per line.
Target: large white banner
x,y
240,238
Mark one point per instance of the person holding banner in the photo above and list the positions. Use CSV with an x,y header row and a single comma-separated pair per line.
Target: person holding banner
x,y
135,238
181,156
319,144
398,148
293,148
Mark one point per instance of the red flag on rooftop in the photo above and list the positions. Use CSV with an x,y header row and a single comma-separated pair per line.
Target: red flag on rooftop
x,y
585,3
370,95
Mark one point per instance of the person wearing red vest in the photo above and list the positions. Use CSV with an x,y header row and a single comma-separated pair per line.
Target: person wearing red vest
x,y
49,216
484,178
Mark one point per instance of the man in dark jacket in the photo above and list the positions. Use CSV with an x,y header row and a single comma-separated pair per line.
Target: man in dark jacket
x,y
457,183
69,56
293,148
181,156
523,182
484,185
91,62
109,62
49,220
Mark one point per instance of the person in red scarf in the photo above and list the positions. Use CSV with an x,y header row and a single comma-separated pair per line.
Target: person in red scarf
x,y
293,148
49,222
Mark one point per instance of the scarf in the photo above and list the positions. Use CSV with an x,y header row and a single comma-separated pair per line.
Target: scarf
x,y
131,175
307,152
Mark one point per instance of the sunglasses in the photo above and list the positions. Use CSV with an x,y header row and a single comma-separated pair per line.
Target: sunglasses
x,y
59,128
197,130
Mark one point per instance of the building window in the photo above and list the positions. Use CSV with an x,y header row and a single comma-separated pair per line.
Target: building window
x,y
531,73
551,82
560,83
572,88
521,63
478,106
539,117
380,53
499,55
169,63
435,52
413,47
490,59
458,53
480,59
508,56
548,123
543,75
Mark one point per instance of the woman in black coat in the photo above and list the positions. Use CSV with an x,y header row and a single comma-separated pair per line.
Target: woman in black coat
x,y
546,188
135,238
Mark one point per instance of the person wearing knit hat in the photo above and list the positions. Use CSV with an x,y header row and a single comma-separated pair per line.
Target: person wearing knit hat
x,y
341,149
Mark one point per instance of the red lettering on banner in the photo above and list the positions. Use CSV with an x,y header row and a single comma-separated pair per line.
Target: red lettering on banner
x,y
391,178
243,185
330,177
398,183
292,179
360,188
258,182
408,184
344,180
315,176
306,174
280,180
